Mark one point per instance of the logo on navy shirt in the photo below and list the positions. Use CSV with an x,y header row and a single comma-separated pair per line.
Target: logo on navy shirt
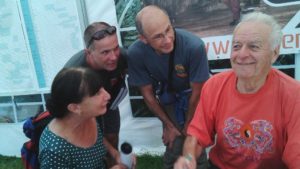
x,y
180,71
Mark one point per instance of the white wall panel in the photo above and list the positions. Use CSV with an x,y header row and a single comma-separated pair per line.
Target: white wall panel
x,y
57,28
17,73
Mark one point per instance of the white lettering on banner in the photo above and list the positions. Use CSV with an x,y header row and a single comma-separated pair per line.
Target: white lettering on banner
x,y
218,47
291,36
290,42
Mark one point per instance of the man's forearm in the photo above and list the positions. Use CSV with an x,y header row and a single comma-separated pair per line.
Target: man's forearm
x,y
154,106
191,151
193,100
191,147
111,150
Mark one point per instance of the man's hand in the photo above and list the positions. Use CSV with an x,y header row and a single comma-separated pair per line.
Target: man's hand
x,y
185,162
169,132
169,135
191,151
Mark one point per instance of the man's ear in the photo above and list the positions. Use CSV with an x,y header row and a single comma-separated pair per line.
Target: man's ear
x,y
143,39
75,108
275,54
87,52
88,57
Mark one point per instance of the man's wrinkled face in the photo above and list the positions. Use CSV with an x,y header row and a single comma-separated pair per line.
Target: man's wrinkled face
x,y
252,55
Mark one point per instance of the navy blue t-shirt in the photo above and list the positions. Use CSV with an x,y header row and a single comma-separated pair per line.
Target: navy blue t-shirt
x,y
190,62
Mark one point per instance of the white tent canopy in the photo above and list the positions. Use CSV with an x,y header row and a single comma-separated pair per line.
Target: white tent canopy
x,y
58,27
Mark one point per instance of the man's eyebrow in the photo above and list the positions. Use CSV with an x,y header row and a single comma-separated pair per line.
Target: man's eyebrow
x,y
258,40
236,41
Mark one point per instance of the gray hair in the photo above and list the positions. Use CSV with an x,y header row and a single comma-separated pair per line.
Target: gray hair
x,y
275,35
91,30
138,18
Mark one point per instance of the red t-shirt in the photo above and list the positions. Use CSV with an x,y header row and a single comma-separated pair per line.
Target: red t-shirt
x,y
257,130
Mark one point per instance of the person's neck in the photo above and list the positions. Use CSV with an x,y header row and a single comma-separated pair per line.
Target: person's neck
x,y
73,122
248,86
76,130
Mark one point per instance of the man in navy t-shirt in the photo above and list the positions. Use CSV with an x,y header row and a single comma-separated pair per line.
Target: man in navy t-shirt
x,y
173,61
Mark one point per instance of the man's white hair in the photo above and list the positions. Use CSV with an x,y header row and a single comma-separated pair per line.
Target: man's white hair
x,y
275,35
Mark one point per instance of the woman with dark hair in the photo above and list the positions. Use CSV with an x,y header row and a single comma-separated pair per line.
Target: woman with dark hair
x,y
74,139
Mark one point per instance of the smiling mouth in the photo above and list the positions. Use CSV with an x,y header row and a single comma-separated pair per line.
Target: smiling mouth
x,y
245,63
112,64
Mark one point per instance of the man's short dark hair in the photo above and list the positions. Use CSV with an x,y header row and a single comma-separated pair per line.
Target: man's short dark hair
x,y
92,29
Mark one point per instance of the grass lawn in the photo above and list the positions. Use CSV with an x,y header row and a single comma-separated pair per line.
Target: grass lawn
x,y
10,163
145,161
